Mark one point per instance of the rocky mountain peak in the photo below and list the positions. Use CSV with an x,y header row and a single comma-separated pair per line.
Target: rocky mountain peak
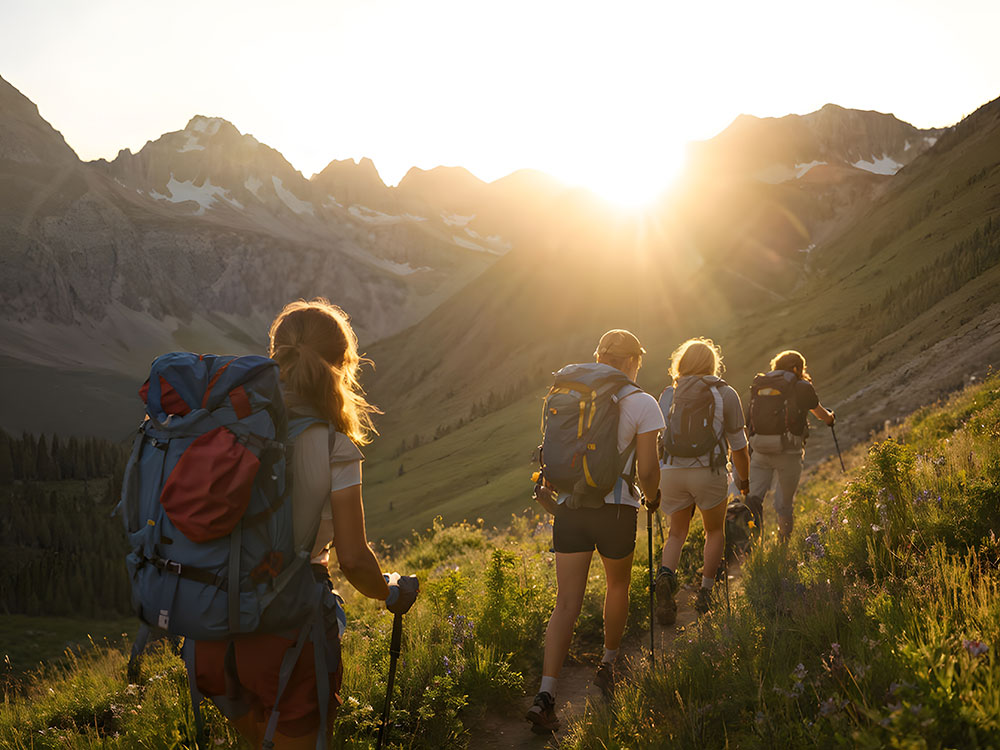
x,y
841,140
351,182
25,137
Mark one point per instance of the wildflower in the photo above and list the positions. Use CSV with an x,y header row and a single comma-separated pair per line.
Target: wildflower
x,y
975,648
751,524
830,706
800,672
876,527
817,549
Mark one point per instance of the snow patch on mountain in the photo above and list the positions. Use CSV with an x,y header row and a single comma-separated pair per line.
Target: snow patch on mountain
x,y
205,195
883,165
801,169
456,220
930,140
495,243
400,269
371,216
191,144
470,245
289,198
207,125
253,184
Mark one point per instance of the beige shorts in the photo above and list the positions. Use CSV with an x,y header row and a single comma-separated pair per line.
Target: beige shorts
x,y
699,485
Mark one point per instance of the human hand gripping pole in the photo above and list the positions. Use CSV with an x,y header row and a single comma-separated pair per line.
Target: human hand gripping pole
x,y
403,592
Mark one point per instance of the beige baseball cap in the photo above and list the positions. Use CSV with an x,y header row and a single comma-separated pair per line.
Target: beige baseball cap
x,y
619,343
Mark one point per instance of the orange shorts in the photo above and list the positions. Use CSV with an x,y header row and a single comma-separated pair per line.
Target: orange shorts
x,y
252,678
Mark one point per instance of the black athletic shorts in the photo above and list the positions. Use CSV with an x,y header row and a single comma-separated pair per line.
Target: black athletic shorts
x,y
611,529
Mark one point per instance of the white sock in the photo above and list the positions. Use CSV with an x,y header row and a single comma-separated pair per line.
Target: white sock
x,y
609,656
548,686
706,583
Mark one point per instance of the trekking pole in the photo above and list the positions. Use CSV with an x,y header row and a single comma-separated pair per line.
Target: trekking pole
x,y
394,651
725,565
652,585
842,467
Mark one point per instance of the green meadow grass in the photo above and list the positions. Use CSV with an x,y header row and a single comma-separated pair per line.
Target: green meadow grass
x,y
876,626
29,642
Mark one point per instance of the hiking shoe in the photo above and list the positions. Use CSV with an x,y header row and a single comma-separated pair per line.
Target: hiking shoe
x,y
542,715
666,607
703,602
605,678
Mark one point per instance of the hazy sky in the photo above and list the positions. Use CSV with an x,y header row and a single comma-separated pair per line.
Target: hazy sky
x,y
601,94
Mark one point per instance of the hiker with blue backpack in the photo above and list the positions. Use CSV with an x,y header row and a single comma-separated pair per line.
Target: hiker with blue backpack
x,y
245,471
599,442
703,429
780,401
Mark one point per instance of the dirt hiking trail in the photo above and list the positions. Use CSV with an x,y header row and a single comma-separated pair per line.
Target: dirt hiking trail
x,y
510,731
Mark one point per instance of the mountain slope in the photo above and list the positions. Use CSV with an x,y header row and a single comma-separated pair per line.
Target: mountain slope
x,y
193,243
884,329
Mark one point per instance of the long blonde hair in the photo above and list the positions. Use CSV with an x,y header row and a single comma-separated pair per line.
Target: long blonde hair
x,y
317,353
789,360
697,356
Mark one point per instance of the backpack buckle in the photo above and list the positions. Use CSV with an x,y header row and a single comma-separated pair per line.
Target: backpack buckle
x,y
172,566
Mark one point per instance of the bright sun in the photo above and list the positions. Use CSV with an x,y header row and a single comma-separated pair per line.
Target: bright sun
x,y
629,182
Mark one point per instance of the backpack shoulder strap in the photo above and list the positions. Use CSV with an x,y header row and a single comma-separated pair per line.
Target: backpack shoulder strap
x,y
665,400
625,391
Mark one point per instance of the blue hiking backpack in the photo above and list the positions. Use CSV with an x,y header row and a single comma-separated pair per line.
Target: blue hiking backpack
x,y
579,453
206,504
693,415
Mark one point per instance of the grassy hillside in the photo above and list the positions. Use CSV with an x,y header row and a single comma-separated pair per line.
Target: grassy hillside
x,y
878,624
898,310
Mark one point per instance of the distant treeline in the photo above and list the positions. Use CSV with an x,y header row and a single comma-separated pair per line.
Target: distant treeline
x,y
48,459
61,553
922,289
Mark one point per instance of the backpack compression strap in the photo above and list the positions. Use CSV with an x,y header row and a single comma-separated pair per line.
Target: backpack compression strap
x,y
624,392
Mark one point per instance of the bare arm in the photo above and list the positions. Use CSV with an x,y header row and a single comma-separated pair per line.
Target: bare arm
x,y
355,557
741,462
821,412
647,464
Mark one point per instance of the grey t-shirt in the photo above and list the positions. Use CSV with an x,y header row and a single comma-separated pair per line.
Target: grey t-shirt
x,y
732,422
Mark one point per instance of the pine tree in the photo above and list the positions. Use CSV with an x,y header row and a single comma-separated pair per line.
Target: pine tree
x,y
44,468
6,459
27,456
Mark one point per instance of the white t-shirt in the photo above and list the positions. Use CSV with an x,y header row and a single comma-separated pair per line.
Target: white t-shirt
x,y
323,461
639,414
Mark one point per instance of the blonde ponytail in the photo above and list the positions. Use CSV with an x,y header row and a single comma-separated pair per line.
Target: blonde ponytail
x,y
317,353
